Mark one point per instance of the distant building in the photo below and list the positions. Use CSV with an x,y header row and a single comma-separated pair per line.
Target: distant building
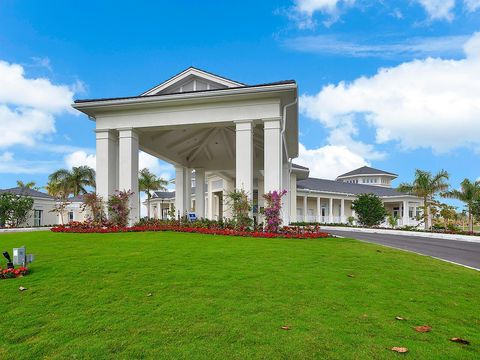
x,y
42,213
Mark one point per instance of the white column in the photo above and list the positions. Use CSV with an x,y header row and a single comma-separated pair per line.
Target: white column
x,y
272,154
319,209
210,201
305,208
128,169
293,197
286,199
179,191
200,193
330,210
107,171
188,190
244,157
342,211
405,213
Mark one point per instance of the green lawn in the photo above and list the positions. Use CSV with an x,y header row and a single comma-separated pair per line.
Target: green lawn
x,y
217,297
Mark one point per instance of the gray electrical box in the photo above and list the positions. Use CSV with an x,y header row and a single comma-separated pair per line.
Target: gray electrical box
x,y
19,255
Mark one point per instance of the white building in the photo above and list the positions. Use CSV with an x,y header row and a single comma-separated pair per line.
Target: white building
x,y
43,213
231,136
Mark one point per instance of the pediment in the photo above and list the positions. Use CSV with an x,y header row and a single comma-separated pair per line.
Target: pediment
x,y
192,79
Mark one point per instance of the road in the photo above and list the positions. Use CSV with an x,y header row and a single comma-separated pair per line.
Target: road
x,y
461,252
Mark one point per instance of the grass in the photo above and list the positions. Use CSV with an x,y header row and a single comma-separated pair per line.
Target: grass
x,y
217,297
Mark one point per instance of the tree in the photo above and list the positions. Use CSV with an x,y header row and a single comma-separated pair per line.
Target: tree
x,y
448,213
148,182
14,209
74,181
469,194
426,186
369,209
60,191
27,185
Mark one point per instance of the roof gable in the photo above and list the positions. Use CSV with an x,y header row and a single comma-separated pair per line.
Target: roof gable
x,y
192,79
24,191
366,170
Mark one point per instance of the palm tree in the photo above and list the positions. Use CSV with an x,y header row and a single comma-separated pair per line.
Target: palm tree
x,y
469,194
74,181
27,185
148,182
426,186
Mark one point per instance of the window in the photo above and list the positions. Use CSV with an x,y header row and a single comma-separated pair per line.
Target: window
x,y
70,216
37,217
410,212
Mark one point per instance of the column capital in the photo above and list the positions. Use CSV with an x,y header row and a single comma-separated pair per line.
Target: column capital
x,y
244,125
106,134
272,123
127,133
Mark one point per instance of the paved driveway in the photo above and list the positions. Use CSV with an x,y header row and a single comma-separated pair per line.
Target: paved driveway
x,y
461,252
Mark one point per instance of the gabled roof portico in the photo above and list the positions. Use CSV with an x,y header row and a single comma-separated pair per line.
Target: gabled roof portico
x,y
236,131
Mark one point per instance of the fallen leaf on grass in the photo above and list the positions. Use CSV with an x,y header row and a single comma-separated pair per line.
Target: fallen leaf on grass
x,y
401,350
149,294
400,318
285,327
365,315
379,250
423,328
460,341
21,288
351,275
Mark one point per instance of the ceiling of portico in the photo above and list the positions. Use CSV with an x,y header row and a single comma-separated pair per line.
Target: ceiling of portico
x,y
211,148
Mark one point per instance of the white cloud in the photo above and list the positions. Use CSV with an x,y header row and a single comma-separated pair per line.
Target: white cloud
x,y
439,9
329,161
10,165
80,158
431,103
304,10
472,5
28,106
410,47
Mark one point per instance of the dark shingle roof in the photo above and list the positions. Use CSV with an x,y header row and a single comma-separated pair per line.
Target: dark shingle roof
x,y
27,192
345,188
163,195
366,170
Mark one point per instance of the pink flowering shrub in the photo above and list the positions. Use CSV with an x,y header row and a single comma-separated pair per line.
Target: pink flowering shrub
x,y
272,209
119,208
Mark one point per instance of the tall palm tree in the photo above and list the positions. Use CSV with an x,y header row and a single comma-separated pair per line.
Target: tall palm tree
x,y
469,193
148,182
27,185
74,181
426,186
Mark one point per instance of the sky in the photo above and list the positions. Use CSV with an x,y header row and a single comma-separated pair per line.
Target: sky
x,y
390,84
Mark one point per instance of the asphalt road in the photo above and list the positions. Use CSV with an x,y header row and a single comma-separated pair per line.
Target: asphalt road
x,y
461,252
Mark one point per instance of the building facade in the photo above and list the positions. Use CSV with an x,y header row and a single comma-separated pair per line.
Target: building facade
x,y
230,136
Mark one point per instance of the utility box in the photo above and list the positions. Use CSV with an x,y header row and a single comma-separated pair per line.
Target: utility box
x,y
19,255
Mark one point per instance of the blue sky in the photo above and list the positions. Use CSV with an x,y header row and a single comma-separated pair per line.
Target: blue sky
x,y
390,85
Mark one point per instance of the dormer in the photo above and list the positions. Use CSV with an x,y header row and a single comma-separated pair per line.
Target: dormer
x,y
368,176
192,79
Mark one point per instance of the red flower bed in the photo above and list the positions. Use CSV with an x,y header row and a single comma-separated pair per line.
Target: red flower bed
x,y
290,234
13,273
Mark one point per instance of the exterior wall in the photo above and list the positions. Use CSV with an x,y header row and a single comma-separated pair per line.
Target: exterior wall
x,y
47,217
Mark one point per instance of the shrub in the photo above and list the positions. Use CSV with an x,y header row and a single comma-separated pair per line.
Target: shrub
x,y
93,204
241,207
370,210
119,208
14,209
272,210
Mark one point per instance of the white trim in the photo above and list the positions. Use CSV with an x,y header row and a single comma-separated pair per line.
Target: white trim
x,y
192,72
181,96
